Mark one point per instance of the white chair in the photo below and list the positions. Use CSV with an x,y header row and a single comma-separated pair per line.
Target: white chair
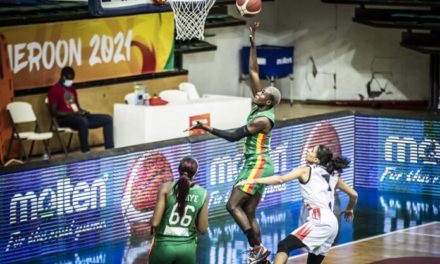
x,y
22,112
55,128
130,98
174,96
190,90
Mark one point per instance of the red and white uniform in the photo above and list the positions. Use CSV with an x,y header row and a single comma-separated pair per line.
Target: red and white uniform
x,y
321,228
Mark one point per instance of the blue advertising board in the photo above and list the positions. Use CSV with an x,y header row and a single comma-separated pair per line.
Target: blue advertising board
x,y
92,202
273,61
398,154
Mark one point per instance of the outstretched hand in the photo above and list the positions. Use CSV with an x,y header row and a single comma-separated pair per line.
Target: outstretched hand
x,y
252,30
348,215
198,125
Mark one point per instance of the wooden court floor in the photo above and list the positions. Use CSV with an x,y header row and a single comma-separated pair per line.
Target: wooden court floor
x,y
423,240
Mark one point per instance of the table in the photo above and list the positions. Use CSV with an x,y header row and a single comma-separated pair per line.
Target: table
x,y
138,124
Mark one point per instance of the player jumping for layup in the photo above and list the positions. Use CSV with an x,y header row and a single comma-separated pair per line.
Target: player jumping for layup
x,y
243,201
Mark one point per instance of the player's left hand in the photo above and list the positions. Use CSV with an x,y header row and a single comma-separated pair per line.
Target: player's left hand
x,y
348,215
252,30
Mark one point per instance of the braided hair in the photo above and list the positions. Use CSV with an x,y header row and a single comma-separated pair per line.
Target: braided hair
x,y
187,169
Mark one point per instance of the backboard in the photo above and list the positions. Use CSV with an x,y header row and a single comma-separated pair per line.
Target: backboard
x,y
124,7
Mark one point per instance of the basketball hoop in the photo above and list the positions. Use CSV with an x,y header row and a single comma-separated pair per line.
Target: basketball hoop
x,y
190,17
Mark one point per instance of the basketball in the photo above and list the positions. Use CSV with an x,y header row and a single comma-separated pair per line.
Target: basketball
x,y
248,8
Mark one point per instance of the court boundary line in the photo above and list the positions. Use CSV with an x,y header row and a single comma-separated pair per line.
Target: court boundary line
x,y
422,234
373,237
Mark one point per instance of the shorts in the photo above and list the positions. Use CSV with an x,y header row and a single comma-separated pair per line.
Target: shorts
x,y
256,166
163,252
319,232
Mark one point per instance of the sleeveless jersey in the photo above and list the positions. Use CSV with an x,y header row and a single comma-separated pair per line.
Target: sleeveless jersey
x,y
175,229
259,143
319,190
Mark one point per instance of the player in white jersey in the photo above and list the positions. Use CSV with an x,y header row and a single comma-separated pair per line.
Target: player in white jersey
x,y
318,181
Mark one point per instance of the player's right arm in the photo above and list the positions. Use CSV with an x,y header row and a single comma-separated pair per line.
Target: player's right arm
x,y
253,63
230,135
258,125
301,174
202,218
160,207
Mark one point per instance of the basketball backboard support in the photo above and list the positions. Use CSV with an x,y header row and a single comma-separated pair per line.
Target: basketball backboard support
x,y
127,7
124,7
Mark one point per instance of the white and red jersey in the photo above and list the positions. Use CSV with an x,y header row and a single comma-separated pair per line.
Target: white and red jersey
x,y
319,190
321,228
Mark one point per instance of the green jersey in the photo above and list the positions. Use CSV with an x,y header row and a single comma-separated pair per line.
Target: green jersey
x,y
258,163
176,229
259,143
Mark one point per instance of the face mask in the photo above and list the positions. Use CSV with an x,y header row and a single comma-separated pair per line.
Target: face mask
x,y
68,83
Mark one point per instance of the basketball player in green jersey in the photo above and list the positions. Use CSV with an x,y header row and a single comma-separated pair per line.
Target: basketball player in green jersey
x,y
181,210
244,200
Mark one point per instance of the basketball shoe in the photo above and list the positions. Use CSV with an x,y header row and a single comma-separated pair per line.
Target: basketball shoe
x,y
258,255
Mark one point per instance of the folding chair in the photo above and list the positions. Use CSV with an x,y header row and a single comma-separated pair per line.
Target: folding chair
x,y
174,96
130,98
190,90
55,128
22,112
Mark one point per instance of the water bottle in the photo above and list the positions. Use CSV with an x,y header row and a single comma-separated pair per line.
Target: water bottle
x,y
147,98
139,91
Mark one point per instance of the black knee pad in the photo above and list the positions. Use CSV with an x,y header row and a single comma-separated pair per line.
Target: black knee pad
x,y
289,243
314,259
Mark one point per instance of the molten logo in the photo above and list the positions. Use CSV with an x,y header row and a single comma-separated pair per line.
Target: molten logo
x,y
397,148
65,199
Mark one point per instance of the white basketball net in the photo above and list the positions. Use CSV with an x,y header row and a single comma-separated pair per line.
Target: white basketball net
x,y
190,17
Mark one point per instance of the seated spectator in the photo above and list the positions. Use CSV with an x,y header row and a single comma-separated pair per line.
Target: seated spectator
x,y
64,104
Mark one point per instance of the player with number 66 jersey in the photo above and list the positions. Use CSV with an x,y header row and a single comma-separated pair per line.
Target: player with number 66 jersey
x,y
181,211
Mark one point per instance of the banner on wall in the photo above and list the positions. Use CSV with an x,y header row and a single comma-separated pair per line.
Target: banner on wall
x,y
100,48
92,202
398,155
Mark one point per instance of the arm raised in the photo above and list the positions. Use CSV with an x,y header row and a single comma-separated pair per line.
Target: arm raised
x,y
253,63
